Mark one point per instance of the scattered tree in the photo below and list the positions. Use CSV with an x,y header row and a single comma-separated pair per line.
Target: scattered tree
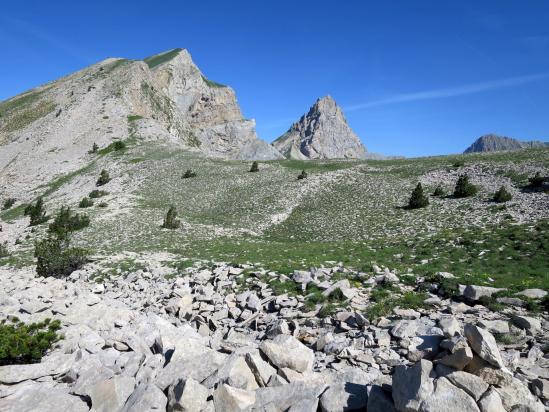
x,y
94,148
94,194
56,258
464,188
85,202
104,178
4,252
458,164
255,167
171,221
119,145
67,221
103,204
439,191
36,212
189,173
537,180
302,175
502,195
418,198
9,202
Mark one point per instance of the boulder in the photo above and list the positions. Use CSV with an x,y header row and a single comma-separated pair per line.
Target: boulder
x,y
470,383
516,394
533,293
459,359
484,344
448,398
110,395
413,385
449,325
531,325
474,292
229,399
146,397
187,395
288,396
491,402
37,397
285,351
379,400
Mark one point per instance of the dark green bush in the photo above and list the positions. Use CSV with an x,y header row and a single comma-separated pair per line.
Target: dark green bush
x,y
85,202
9,202
95,194
302,175
104,178
439,191
56,258
26,343
119,145
188,174
36,212
458,163
67,221
418,198
502,195
103,204
255,167
4,252
171,221
94,148
464,188
537,180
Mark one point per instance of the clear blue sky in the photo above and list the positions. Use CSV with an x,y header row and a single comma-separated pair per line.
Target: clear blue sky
x,y
413,77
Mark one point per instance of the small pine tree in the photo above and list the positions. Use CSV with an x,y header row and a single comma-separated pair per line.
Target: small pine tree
x,y
171,221
85,202
418,198
4,252
66,221
189,173
439,191
56,258
464,188
255,167
94,148
537,180
94,194
502,195
9,202
302,175
104,178
36,212
458,163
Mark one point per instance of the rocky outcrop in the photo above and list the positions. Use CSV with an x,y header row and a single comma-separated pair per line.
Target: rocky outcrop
x,y
495,143
322,133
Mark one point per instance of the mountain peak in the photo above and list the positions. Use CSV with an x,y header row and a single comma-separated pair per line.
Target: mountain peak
x,y
493,143
321,133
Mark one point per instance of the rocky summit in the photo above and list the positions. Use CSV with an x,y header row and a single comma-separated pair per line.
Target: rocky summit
x,y
164,97
495,143
322,133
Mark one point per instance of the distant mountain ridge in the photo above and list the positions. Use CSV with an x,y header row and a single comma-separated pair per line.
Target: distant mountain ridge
x,y
321,133
495,143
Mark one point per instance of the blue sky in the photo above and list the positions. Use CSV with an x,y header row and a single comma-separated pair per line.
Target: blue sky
x,y
413,77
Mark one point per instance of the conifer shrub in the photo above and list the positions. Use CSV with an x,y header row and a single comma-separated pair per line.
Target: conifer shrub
x,y
302,175
537,180
94,148
95,194
67,221
103,179
458,164
502,195
464,188
171,221
9,202
439,191
36,212
22,343
255,167
55,257
85,202
188,174
4,252
103,204
418,198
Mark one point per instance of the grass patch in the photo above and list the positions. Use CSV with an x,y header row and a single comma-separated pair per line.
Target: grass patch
x,y
158,59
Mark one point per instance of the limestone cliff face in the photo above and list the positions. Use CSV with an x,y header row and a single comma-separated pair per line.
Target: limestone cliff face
x,y
322,133
50,129
495,143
